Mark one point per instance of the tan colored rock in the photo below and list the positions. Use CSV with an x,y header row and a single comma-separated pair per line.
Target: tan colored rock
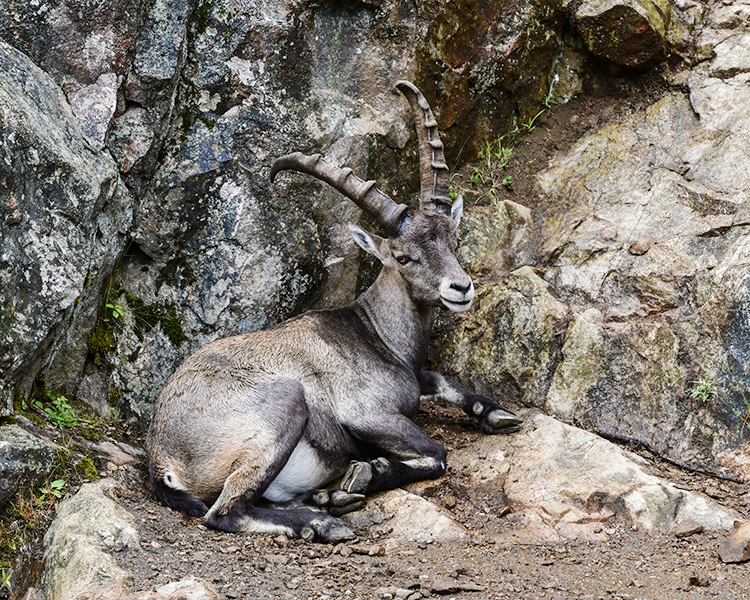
x,y
507,344
77,560
417,519
576,481
737,547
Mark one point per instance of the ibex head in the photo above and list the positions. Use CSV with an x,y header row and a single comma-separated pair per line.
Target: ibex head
x,y
419,247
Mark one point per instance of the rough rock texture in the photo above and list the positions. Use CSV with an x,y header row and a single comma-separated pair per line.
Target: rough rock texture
x,y
194,100
657,282
78,562
565,483
737,547
64,216
87,527
407,516
630,33
24,460
640,245
512,332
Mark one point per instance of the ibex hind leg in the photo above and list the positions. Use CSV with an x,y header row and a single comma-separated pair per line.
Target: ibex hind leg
x,y
293,522
240,507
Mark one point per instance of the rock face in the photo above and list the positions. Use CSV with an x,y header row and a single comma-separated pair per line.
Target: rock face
x,y
137,222
642,243
64,216
194,100
629,33
24,459
86,528
78,561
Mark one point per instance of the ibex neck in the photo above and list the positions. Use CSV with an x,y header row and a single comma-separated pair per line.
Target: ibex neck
x,y
403,326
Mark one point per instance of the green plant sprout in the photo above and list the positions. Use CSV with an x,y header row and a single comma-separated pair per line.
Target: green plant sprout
x,y
5,579
63,414
55,489
508,181
114,416
704,389
529,127
118,310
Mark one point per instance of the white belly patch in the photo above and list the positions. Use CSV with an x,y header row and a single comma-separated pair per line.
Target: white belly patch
x,y
303,471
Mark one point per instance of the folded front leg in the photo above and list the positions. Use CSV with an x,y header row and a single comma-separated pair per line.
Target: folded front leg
x,y
409,455
485,412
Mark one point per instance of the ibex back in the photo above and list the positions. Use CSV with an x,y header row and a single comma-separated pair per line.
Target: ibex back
x,y
250,427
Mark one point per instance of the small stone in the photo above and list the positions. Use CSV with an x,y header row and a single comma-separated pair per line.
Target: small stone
x,y
642,245
696,580
281,540
686,528
293,584
345,551
442,586
472,587
737,547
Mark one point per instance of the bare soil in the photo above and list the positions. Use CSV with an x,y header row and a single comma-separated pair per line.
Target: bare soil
x,y
631,564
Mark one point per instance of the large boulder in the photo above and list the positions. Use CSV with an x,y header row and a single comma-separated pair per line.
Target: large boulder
x,y
630,33
65,214
25,459
565,483
647,224
87,527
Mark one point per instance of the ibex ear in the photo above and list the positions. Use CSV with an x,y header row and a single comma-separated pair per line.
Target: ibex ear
x,y
370,243
457,210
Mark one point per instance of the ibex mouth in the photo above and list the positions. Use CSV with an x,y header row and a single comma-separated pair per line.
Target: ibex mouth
x,y
456,305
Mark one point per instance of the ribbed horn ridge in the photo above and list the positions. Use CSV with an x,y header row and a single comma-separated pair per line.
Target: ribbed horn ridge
x,y
433,171
365,194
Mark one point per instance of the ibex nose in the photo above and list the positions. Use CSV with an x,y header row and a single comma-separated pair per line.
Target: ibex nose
x,y
461,288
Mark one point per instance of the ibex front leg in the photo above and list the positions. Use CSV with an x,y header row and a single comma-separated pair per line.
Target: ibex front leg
x,y
487,415
412,456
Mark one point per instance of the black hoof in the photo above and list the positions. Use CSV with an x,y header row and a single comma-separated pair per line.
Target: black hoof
x,y
328,530
500,421
357,478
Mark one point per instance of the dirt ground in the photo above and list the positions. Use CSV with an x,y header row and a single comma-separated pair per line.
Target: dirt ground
x,y
629,565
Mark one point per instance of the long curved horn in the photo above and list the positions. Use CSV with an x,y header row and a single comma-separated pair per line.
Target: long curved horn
x,y
433,171
364,194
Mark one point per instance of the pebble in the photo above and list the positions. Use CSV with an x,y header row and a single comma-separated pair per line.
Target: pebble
x,y
686,528
736,548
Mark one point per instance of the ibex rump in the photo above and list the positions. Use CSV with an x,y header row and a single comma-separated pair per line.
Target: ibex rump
x,y
253,425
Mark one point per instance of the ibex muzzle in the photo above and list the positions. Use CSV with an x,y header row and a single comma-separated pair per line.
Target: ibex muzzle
x,y
250,428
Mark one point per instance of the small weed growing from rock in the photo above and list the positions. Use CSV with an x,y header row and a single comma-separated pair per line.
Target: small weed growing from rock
x,y
118,310
5,579
51,492
62,414
704,389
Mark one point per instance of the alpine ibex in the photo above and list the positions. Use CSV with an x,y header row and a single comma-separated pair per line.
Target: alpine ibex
x,y
253,425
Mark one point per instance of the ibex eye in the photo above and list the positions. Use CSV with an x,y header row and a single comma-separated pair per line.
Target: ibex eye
x,y
402,260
